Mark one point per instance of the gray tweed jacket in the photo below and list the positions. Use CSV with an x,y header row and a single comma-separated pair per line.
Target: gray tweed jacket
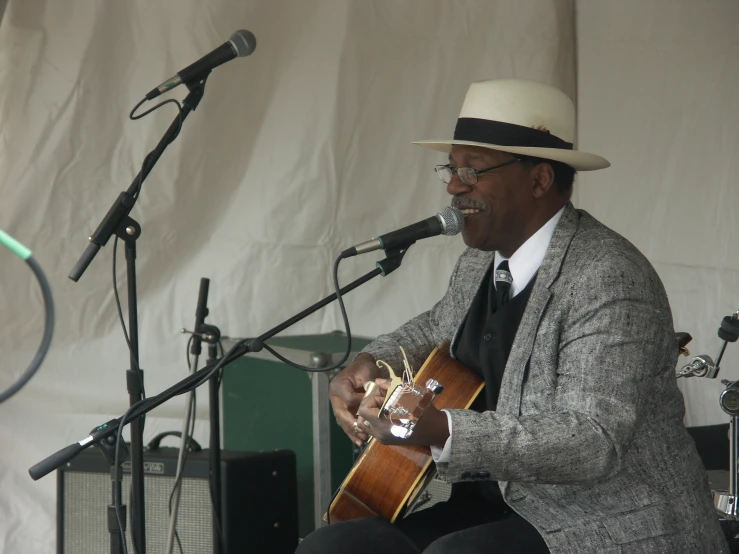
x,y
587,441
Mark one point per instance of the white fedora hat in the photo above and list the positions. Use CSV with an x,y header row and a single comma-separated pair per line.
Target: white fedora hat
x,y
520,117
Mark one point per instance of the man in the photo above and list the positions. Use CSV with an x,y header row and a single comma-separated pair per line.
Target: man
x,y
580,422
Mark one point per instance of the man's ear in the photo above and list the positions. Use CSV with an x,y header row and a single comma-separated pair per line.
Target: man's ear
x,y
543,179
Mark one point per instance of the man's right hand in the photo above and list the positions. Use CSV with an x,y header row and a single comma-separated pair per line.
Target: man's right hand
x,y
347,390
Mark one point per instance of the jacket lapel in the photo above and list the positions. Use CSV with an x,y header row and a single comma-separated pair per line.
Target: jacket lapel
x,y
509,400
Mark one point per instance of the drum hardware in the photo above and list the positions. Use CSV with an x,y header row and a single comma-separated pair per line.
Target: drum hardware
x,y
700,366
726,502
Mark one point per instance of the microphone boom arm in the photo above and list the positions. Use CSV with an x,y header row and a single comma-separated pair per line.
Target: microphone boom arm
x,y
194,380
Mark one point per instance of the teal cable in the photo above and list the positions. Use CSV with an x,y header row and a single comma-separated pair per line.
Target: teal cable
x,y
25,254
14,246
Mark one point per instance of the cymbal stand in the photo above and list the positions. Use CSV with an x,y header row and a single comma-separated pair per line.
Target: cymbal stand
x,y
726,502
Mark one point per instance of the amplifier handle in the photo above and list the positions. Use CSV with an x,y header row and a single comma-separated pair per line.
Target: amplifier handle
x,y
154,443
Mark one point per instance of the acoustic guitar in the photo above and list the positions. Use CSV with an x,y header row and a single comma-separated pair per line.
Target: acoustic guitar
x,y
385,480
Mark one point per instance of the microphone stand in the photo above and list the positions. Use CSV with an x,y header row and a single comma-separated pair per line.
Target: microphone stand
x,y
110,428
211,335
214,383
117,222
195,349
107,449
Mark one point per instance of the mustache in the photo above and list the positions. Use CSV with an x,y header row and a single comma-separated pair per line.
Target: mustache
x,y
461,203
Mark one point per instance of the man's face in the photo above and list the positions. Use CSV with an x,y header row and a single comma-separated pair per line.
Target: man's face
x,y
498,207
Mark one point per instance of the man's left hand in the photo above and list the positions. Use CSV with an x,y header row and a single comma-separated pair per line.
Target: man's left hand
x,y
431,430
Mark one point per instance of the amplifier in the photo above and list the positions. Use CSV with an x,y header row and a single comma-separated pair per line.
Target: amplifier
x,y
258,502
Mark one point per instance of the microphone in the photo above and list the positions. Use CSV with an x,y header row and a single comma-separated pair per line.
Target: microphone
x,y
449,221
201,312
242,43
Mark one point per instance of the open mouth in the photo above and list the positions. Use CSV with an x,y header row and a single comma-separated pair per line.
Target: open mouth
x,y
469,212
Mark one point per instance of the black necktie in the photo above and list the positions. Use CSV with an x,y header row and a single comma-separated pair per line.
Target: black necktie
x,y
503,281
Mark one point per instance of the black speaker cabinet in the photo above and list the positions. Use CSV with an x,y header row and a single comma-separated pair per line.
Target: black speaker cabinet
x,y
258,493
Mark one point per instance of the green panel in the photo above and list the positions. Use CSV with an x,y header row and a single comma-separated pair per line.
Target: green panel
x,y
268,405
329,342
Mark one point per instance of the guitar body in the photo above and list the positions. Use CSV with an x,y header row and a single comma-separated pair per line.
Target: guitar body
x,y
386,479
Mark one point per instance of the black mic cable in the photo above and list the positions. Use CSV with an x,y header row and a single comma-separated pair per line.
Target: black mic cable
x,y
25,254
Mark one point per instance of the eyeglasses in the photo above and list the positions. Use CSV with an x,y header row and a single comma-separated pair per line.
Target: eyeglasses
x,y
468,175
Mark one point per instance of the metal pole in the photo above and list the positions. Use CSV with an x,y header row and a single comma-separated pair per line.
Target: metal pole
x,y
733,445
134,379
215,452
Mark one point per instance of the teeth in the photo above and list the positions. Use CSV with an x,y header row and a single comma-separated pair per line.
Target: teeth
x,y
469,211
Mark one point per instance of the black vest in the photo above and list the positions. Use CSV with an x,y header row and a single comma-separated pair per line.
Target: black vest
x,y
486,337
483,346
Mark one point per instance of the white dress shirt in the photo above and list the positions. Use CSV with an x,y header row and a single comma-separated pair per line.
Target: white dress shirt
x,y
522,265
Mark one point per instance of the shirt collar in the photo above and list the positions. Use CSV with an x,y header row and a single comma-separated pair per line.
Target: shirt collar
x,y
526,261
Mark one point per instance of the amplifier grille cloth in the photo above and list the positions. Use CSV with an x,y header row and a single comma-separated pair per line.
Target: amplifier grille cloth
x,y
87,496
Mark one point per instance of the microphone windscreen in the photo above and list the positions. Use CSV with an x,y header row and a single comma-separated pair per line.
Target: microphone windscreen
x,y
452,221
244,42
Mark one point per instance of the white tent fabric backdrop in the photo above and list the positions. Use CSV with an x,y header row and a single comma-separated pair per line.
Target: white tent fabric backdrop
x,y
303,149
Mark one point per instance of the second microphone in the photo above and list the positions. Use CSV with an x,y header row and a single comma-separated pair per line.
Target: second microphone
x,y
449,221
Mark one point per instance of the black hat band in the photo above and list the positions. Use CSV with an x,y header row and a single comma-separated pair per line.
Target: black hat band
x,y
506,134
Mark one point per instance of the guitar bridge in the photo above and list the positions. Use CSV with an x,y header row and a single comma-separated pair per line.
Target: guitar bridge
x,y
406,405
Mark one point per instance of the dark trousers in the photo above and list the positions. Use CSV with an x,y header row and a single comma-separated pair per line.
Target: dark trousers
x,y
467,523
